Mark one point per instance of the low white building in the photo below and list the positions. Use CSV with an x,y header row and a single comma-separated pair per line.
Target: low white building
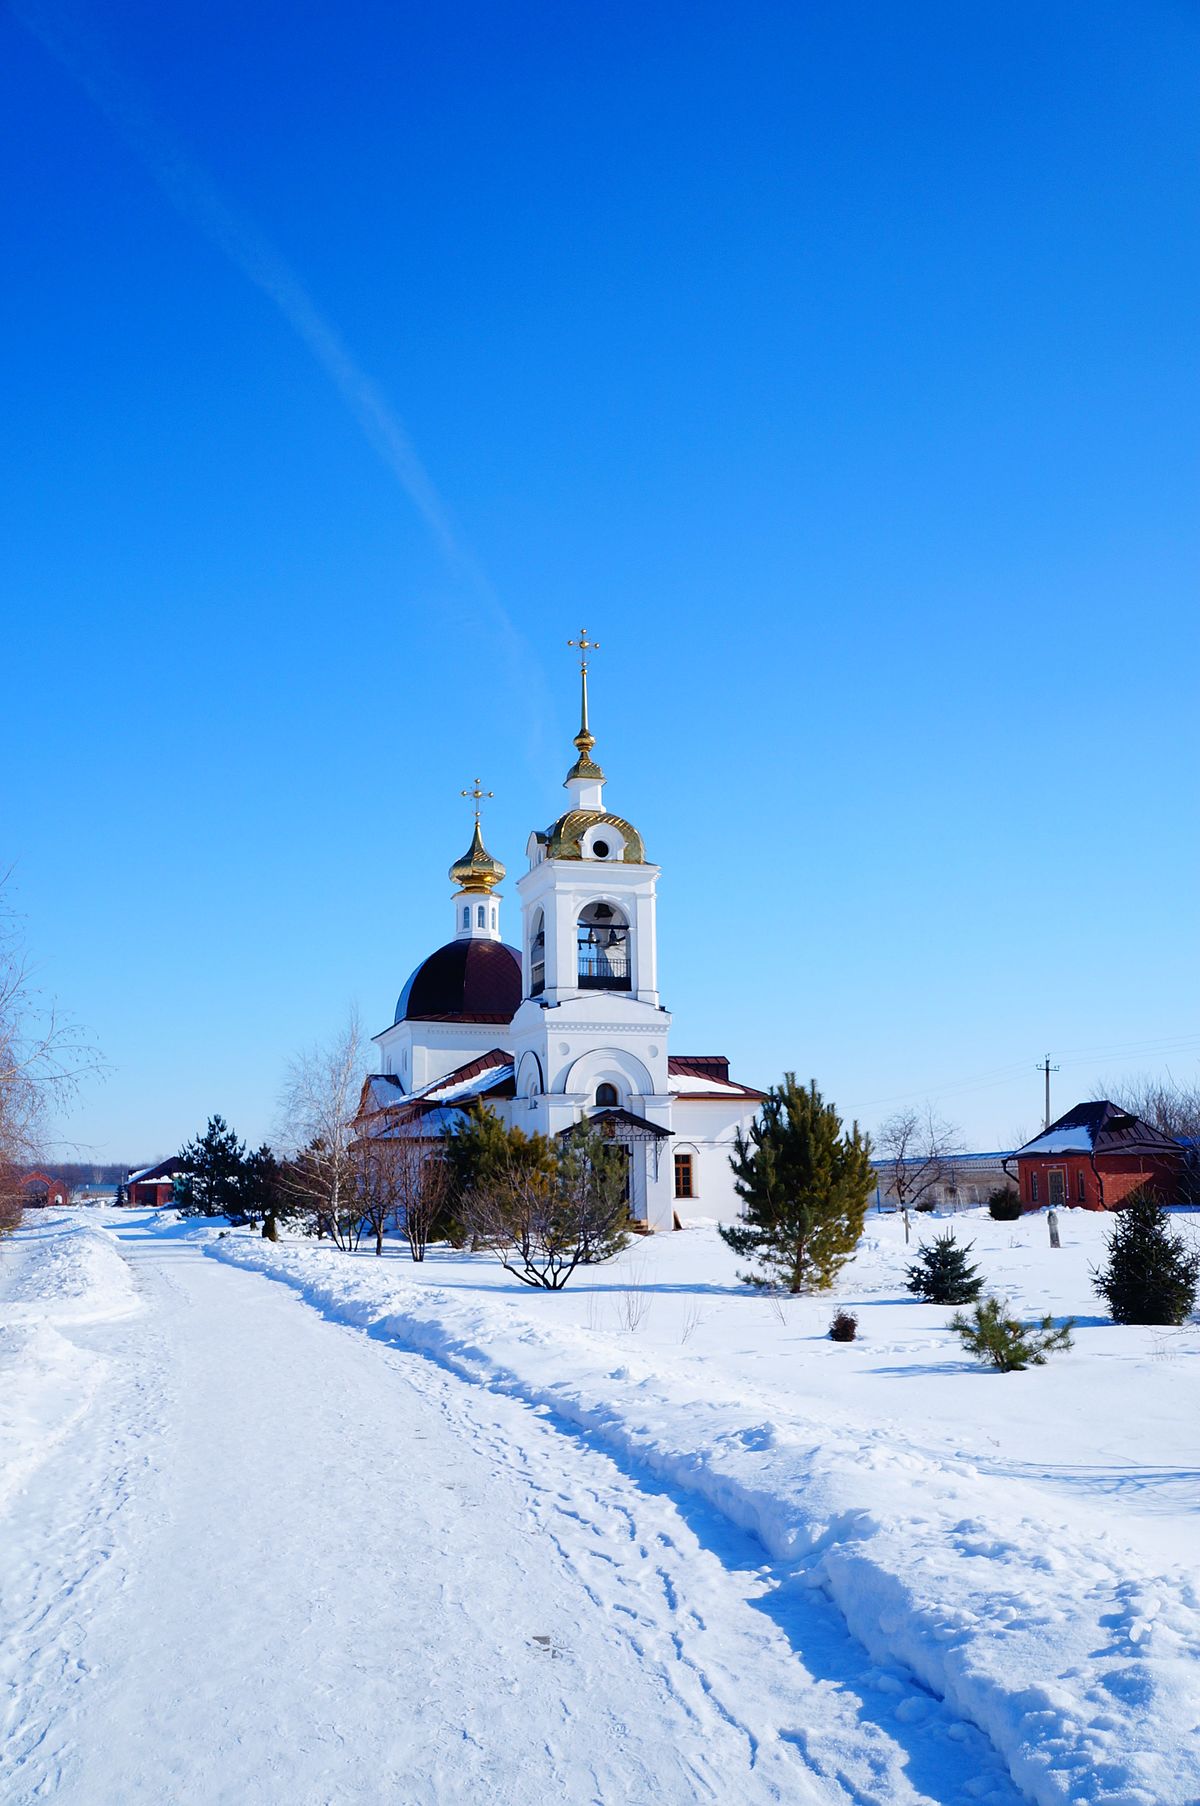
x,y
571,1025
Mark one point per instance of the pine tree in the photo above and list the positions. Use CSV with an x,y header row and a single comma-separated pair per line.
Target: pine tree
x,y
479,1151
805,1186
262,1190
942,1274
478,1147
1151,1275
120,1200
1006,1343
213,1173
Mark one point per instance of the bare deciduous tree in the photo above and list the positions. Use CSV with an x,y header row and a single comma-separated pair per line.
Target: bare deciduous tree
x,y
317,1110
404,1179
421,1189
1169,1106
42,1056
917,1149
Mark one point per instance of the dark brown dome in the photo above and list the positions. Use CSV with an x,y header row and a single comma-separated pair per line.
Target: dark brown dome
x,y
464,981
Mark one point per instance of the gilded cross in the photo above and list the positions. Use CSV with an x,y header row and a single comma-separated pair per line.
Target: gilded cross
x,y
583,645
477,795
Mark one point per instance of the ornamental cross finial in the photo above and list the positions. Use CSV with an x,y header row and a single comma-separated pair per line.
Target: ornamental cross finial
x,y
584,646
477,795
584,739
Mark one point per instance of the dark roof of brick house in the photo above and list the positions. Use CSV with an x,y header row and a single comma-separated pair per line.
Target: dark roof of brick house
x,y
1100,1127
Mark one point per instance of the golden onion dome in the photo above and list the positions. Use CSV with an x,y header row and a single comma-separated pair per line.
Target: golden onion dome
x,y
476,870
564,839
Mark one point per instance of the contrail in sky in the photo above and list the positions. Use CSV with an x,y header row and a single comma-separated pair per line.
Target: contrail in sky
x,y
193,194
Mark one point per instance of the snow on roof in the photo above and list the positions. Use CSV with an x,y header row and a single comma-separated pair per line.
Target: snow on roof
x,y
1100,1127
685,1083
420,1125
1077,1139
162,1169
384,1090
704,1075
452,1087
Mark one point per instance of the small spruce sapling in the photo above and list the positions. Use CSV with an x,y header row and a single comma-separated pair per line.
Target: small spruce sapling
x,y
844,1327
1006,1343
1151,1275
942,1274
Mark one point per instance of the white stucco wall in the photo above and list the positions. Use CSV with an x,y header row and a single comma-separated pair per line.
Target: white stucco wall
x,y
706,1129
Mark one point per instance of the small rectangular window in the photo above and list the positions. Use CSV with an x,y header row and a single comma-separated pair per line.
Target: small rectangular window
x,y
1082,1187
684,1176
1033,1188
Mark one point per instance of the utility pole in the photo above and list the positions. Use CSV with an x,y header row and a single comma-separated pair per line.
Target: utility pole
x,y
1047,1069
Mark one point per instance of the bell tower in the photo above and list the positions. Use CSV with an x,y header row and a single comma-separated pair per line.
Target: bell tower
x,y
590,1032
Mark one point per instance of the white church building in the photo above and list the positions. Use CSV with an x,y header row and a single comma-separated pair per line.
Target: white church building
x,y
572,1024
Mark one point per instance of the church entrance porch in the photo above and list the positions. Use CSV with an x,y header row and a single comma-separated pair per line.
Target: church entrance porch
x,y
642,1143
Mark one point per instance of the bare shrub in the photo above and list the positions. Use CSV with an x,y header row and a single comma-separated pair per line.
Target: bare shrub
x,y
693,1317
634,1303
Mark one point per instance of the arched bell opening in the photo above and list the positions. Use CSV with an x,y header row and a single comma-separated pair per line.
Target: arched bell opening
x,y
604,949
537,955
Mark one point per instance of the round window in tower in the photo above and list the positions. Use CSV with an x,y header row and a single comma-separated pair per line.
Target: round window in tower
x,y
600,848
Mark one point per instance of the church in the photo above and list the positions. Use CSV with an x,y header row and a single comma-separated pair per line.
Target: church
x,y
571,1024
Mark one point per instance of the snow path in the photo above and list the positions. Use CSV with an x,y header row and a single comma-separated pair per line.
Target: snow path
x,y
282,1561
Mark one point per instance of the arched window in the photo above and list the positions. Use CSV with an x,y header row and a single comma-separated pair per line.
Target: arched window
x,y
537,955
466,915
481,917
494,915
603,942
606,1097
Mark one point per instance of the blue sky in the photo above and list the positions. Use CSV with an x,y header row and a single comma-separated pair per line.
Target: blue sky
x,y
836,365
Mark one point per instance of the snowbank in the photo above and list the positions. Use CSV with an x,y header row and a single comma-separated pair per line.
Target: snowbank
x,y
71,1272
1078,1659
63,1274
46,1387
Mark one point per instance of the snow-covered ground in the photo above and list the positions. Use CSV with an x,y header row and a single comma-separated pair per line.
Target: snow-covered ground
x,y
650,1539
58,1273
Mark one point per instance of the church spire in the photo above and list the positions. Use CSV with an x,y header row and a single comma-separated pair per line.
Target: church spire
x,y
476,915
585,771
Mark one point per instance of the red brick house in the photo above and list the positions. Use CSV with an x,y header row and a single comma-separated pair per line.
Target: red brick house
x,y
1094,1157
154,1185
